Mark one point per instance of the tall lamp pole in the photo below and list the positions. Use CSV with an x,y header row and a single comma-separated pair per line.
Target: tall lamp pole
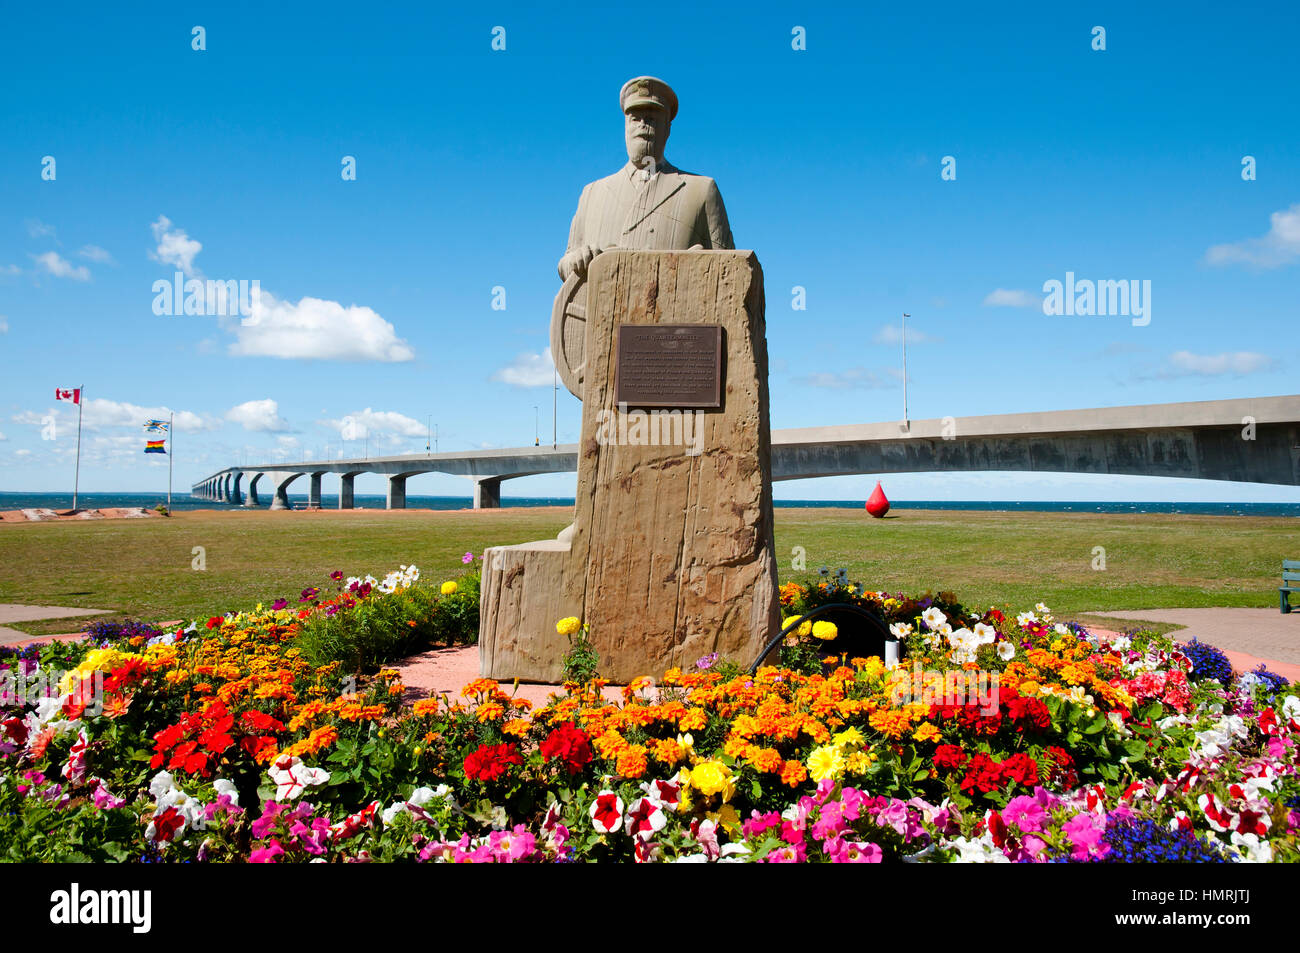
x,y
906,424
537,427
555,398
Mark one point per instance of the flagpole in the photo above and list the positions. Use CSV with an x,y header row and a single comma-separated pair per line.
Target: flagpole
x,y
171,433
76,479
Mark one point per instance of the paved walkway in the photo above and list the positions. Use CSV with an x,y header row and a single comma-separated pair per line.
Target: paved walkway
x,y
1264,633
13,612
449,670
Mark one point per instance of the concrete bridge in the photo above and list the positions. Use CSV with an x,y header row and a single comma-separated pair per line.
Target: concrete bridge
x,y
1251,440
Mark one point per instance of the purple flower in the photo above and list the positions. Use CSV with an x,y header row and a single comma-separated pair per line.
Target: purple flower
x,y
1086,833
279,604
467,558
706,662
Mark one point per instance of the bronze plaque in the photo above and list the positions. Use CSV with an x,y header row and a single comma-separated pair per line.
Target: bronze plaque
x,y
669,365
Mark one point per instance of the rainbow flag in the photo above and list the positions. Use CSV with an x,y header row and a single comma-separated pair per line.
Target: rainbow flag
x,y
155,446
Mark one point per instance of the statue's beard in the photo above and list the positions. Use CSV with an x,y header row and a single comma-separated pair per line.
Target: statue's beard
x,y
639,149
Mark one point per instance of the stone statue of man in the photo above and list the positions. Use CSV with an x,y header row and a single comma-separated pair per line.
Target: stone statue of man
x,y
648,204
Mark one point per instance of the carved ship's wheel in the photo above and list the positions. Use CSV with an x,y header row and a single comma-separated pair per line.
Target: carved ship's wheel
x,y
569,333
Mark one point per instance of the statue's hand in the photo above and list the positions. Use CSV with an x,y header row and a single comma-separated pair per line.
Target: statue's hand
x,y
576,261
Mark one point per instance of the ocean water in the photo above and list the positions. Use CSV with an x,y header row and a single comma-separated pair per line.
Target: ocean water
x,y
60,501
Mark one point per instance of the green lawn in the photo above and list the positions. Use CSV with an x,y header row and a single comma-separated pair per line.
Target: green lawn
x,y
143,567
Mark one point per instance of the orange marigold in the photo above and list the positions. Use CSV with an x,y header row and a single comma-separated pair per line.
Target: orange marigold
x,y
631,761
794,774
668,751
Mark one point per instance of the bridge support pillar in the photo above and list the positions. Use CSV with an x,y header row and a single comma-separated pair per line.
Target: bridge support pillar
x,y
251,500
313,494
487,493
397,491
281,499
236,494
346,493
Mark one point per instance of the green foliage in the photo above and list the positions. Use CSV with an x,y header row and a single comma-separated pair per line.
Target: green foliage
x,y
580,663
384,628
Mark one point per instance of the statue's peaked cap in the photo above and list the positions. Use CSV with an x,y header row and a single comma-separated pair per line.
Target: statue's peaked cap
x,y
648,91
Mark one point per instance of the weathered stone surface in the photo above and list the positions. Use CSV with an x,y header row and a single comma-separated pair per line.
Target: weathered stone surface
x,y
670,556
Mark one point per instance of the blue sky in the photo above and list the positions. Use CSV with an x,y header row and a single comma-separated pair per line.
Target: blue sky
x,y
1117,164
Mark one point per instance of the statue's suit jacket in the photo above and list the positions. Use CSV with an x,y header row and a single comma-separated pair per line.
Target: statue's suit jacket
x,y
673,210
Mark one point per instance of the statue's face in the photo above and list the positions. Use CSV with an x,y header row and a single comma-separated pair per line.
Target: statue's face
x,y
646,132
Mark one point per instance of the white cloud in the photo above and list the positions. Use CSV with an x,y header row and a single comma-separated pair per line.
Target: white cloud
x,y
893,334
10,270
96,254
1280,246
854,378
362,423
174,246
3,437
1208,365
4,325
60,267
317,329
38,229
262,415
1012,298
22,453
528,370
99,413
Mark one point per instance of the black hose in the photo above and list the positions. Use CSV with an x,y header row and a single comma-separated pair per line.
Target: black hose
x,y
874,620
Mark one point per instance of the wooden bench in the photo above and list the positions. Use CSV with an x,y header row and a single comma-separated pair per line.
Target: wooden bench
x,y
1290,582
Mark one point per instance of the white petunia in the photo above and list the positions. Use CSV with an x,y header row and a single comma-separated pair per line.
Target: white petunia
x,y
292,777
1006,651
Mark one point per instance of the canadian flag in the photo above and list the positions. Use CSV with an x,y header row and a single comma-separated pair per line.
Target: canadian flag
x,y
73,395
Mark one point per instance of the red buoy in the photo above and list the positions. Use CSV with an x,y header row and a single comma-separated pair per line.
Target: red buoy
x,y
877,503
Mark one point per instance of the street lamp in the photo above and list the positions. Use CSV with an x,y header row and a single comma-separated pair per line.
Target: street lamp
x,y
537,427
906,424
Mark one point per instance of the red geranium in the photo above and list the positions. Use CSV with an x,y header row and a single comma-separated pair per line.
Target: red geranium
x,y
570,744
1021,768
1029,714
982,773
949,757
489,762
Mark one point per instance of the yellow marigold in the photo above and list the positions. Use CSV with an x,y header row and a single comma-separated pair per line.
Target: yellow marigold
x,y
825,762
490,711
516,727
1029,687
631,761
824,630
849,737
449,587
713,777
176,676
426,706
396,688
859,762
927,732
569,626
793,774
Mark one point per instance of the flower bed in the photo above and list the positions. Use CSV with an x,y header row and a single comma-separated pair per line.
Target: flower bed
x,y
997,738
